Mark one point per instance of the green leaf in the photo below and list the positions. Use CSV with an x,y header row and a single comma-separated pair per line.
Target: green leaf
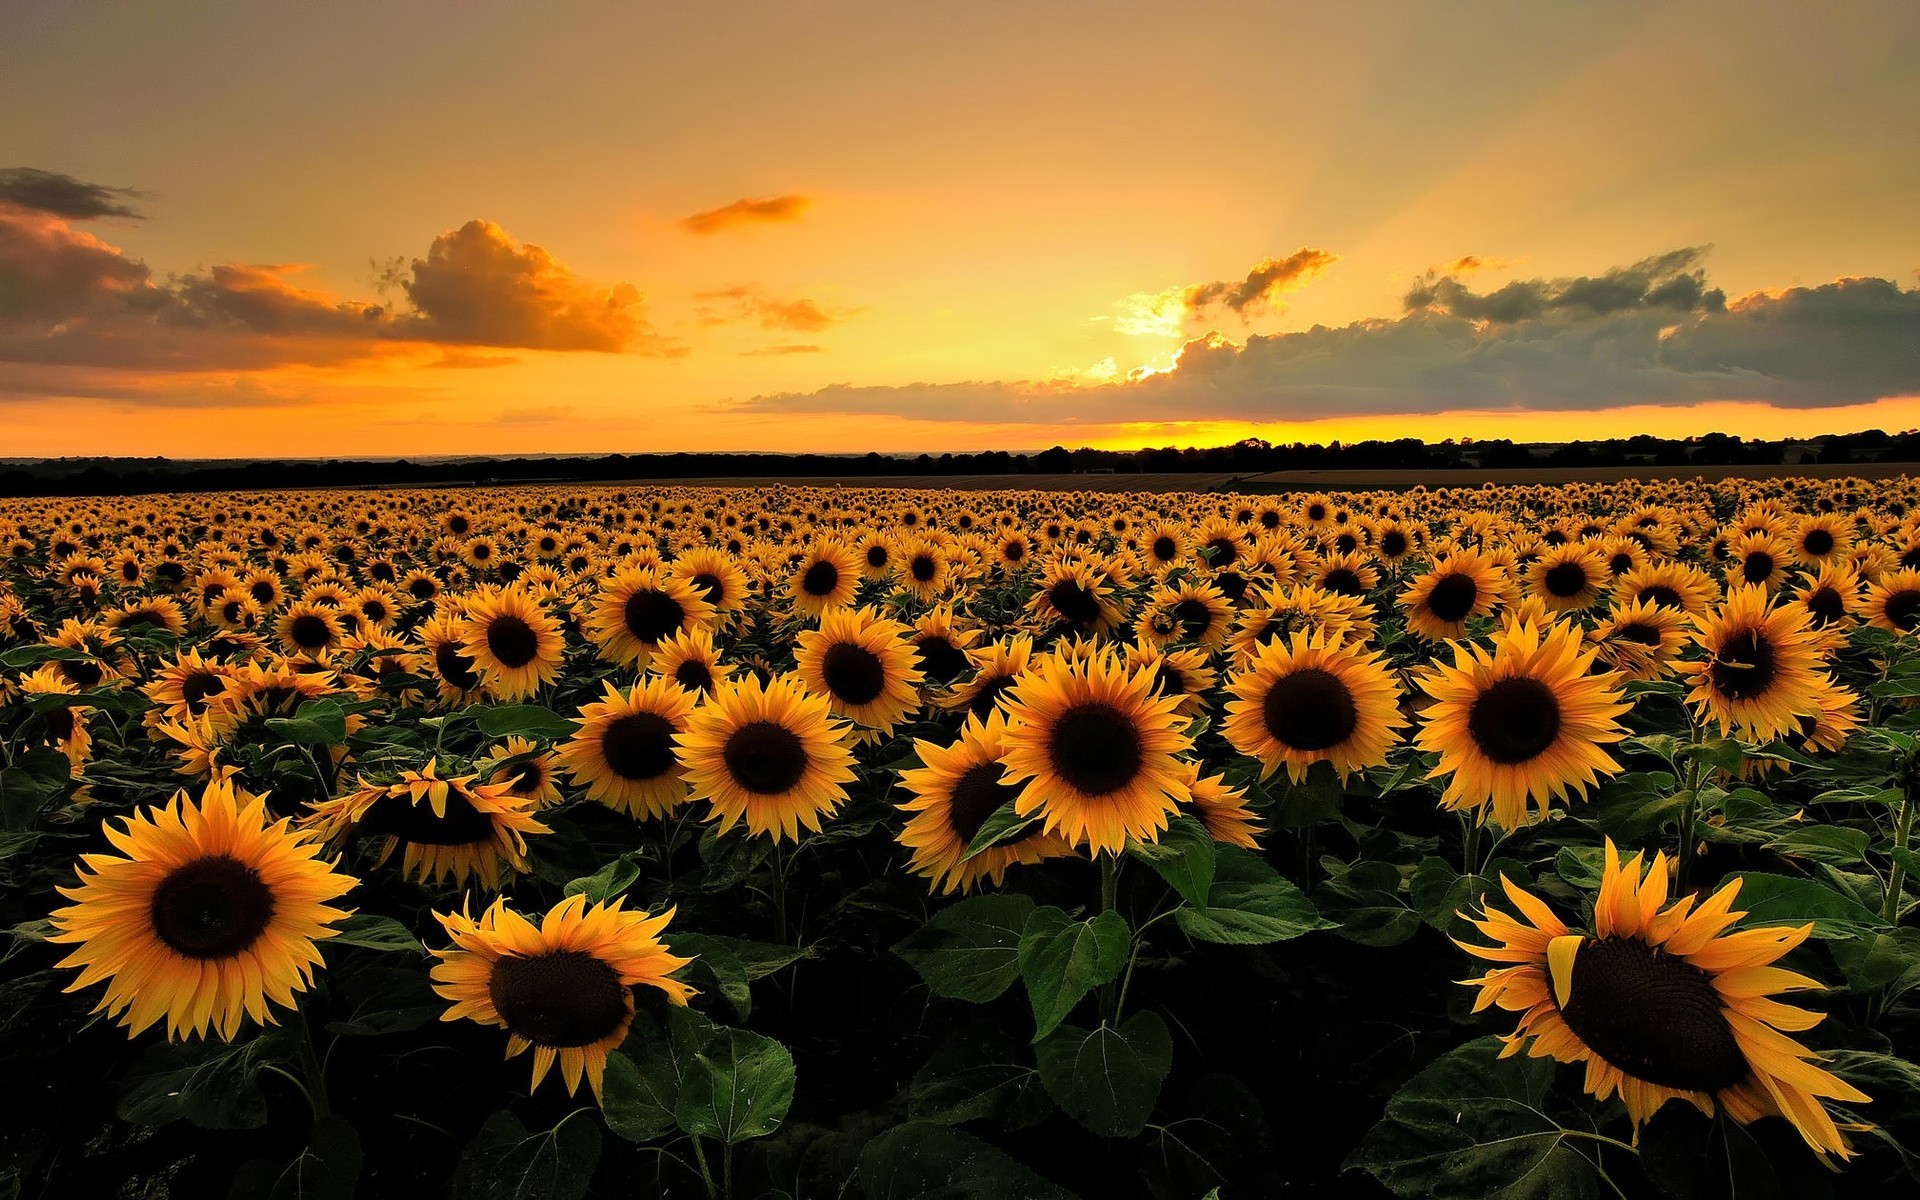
x,y
637,1108
1581,866
1183,857
315,723
506,1162
1003,824
326,1168
1889,959
970,951
1311,801
1475,1127
215,1085
25,658
924,1161
1249,904
739,1087
1108,1079
1836,844
37,777
1784,900
1062,960
524,720
1894,1115
982,1072
609,881
716,968
376,933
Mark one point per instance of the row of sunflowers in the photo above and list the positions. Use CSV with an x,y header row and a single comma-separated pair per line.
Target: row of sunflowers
x,y
1530,841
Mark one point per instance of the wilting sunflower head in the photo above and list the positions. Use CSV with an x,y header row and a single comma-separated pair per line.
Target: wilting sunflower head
x,y
209,912
1660,1001
563,987
771,755
448,827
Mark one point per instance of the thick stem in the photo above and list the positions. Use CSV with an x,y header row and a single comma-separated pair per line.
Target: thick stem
x,y
1689,816
706,1176
1470,847
1902,838
1109,890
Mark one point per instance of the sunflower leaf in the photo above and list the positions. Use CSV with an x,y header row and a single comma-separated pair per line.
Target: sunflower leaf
x,y
315,723
739,1087
970,951
1249,904
923,1161
1062,960
507,1162
1783,900
1003,824
215,1085
376,933
637,1106
524,720
1108,1078
1183,856
609,881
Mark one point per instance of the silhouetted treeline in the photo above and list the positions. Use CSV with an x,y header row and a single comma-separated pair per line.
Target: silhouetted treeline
x,y
123,476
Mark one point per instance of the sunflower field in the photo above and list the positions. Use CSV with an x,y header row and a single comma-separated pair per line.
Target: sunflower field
x,y
841,842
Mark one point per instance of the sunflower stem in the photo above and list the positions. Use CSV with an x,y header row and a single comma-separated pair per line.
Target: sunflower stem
x,y
706,1176
1470,848
1109,889
316,1088
1689,814
1902,837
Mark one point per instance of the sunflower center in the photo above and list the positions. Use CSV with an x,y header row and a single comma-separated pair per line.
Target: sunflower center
x,y
1168,681
512,640
1645,635
1310,709
1818,542
924,569
1620,563
876,556
1515,720
1654,1016
1095,748
399,816
1165,549
638,745
651,614
212,907
195,689
1661,595
854,674
939,659
766,758
558,999
309,631
1566,580
1343,581
1074,602
989,695
455,667
1393,544
820,580
1744,666
977,795
1232,583
1225,552
1758,567
1826,605
1903,609
710,586
1453,597
694,674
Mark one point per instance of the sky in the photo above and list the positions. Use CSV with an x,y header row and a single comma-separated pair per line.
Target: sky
x,y
386,229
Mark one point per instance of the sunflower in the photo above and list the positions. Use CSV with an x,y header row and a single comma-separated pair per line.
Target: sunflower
x,y
563,987
1462,585
1097,750
638,609
1661,1002
162,612
826,578
186,686
1521,726
1194,611
1001,664
1893,602
451,828
1671,585
308,628
1344,574
1568,578
624,751
1187,673
65,725
864,666
1762,667
1759,560
208,912
923,570
1164,547
1640,639
1831,596
1821,539
941,645
1312,699
1073,597
514,643
455,674
716,576
772,755
528,772
954,793
1221,810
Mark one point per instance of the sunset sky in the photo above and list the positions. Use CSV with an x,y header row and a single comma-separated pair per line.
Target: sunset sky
x,y
418,228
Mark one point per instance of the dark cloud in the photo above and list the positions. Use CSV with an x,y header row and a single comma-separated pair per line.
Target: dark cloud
x,y
746,212
1651,333
746,303
64,196
1261,289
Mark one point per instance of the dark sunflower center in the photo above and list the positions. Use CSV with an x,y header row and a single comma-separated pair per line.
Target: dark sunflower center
x,y
1817,542
1453,597
1074,602
1393,544
213,907
651,614
854,674
694,674
1661,595
1653,1015
82,673
455,667
1095,748
820,580
1232,583
977,795
989,695
876,556
1566,580
924,569
1620,563
1826,605
1645,635
512,640
1168,681
1903,610
1744,666
1758,567
1316,512
939,659
1225,552
638,745
710,586
195,689
1310,709
1195,617
561,998
1165,549
310,631
400,817
1342,581
1515,720
422,589
765,758
60,723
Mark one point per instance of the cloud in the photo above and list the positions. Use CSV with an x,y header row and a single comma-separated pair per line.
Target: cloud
x,y
67,297
746,212
784,349
1171,311
747,303
1650,333
64,196
1468,263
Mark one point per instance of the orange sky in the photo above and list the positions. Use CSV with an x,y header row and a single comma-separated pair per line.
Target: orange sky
x,y
378,229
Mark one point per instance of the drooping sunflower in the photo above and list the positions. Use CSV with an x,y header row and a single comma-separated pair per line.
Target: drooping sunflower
x,y
1001,663
1098,751
1640,639
563,988
1310,698
864,666
624,751
1568,578
1221,810
1520,726
1462,585
456,676
772,755
1661,1002
1762,668
65,726
515,643
638,609
450,828
826,578
1892,602
210,912
954,793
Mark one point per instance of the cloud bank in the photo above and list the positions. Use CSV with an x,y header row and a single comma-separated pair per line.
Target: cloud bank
x,y
64,196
